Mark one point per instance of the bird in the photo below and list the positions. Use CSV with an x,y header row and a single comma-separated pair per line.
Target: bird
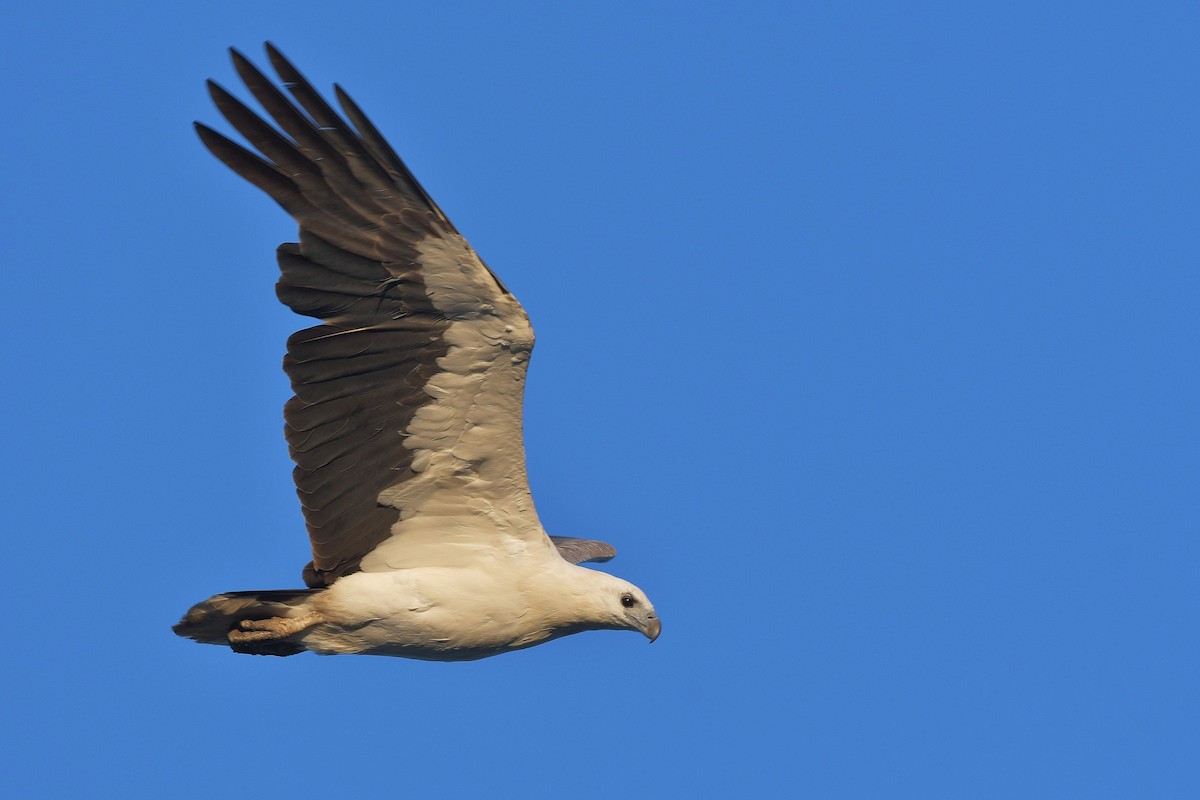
x,y
405,424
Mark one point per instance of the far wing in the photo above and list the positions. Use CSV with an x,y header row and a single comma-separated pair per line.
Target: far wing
x,y
408,395
578,551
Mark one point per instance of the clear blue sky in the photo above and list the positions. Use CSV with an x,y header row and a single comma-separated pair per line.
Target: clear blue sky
x,y
868,332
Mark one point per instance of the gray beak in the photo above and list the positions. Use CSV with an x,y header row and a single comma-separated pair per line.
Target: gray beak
x,y
653,628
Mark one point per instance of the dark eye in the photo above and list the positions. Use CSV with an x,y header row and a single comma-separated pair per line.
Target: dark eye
x,y
628,601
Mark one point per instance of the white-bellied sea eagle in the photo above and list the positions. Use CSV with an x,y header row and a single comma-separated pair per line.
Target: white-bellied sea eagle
x,y
406,421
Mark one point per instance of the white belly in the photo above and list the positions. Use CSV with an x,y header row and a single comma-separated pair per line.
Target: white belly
x,y
441,613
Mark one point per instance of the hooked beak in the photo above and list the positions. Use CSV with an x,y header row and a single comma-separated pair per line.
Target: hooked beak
x,y
653,628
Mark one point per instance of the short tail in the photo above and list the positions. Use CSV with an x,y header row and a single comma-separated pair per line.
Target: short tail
x,y
211,621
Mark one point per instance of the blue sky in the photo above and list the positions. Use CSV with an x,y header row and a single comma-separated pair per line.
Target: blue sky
x,y
867,333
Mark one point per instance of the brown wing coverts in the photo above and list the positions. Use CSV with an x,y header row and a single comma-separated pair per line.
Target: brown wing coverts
x,y
359,377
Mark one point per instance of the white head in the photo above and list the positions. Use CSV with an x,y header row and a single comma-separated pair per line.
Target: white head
x,y
618,604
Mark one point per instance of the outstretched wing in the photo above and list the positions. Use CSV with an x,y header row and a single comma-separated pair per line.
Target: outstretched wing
x,y
407,410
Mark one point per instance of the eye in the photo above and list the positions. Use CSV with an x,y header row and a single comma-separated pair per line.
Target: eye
x,y
627,600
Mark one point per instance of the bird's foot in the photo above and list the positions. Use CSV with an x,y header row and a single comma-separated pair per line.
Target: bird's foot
x,y
271,629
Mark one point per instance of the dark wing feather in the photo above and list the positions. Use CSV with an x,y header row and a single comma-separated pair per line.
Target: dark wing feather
x,y
578,551
360,376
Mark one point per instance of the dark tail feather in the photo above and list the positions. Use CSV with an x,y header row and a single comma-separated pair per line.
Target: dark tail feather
x,y
211,621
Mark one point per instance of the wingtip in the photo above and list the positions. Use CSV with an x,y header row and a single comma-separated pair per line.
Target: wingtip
x,y
210,138
239,58
345,100
220,95
286,71
215,90
217,143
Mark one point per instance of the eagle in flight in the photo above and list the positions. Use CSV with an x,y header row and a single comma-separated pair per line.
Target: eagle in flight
x,y
406,421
